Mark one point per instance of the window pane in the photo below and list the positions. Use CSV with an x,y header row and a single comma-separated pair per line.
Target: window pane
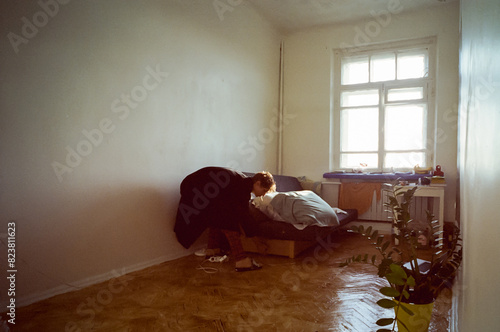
x,y
404,160
355,160
412,65
359,129
383,67
404,127
354,70
415,93
359,98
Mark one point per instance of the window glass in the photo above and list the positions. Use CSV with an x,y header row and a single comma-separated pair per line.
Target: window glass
x,y
359,129
383,67
412,65
404,127
355,160
355,70
359,98
404,159
414,93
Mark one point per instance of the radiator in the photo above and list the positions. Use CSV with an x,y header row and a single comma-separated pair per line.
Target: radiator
x,y
377,211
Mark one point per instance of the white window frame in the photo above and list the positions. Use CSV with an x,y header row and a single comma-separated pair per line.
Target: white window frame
x,y
427,82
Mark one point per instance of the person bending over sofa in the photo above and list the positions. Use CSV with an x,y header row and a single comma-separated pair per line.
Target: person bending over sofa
x,y
218,198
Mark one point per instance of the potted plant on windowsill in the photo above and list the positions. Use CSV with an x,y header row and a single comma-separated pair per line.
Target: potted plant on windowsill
x,y
414,284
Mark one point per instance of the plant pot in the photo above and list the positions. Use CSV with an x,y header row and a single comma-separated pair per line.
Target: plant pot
x,y
419,322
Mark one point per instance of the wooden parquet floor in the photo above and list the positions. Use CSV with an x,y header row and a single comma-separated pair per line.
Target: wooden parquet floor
x,y
309,293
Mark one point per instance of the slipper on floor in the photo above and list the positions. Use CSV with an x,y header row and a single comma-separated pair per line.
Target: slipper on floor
x,y
255,266
200,253
220,254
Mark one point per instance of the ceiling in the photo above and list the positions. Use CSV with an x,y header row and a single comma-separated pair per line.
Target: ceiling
x,y
294,15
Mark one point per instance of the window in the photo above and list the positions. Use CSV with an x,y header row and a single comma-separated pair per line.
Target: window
x,y
383,106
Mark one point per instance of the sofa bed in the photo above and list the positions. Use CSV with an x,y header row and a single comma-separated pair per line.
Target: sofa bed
x,y
284,237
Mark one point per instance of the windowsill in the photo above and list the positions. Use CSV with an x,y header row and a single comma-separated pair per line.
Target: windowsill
x,y
407,176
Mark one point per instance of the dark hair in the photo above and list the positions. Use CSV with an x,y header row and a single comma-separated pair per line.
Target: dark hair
x,y
266,180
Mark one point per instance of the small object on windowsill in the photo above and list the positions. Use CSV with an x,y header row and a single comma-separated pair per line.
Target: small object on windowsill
x,y
425,181
361,169
438,171
437,181
422,170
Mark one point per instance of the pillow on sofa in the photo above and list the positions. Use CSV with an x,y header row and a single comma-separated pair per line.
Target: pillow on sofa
x,y
308,184
303,208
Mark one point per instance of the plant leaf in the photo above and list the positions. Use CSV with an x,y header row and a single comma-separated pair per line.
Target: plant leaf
x,y
390,292
385,245
395,279
385,303
390,253
385,321
396,269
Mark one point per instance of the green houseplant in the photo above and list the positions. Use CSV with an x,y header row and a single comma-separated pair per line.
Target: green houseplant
x,y
412,282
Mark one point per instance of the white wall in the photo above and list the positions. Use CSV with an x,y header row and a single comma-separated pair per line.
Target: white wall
x,y
479,160
308,57
111,208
